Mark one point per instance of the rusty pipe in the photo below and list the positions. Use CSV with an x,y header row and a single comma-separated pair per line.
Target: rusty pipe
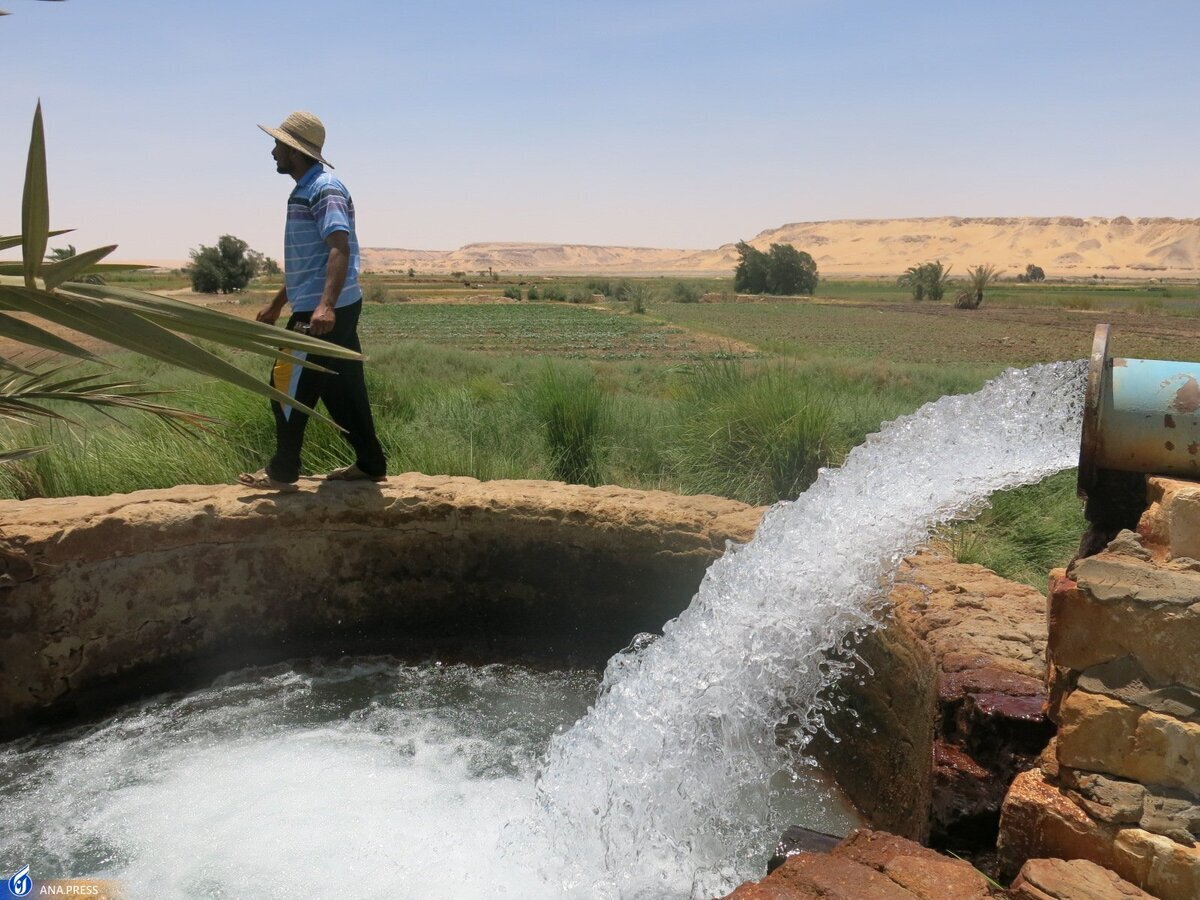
x,y
1139,415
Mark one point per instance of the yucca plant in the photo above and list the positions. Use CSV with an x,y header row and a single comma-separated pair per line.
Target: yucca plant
x,y
136,320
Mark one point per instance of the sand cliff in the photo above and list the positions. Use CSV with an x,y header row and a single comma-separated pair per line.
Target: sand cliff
x,y
1062,245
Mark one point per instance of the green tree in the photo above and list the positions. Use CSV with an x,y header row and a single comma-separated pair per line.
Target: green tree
x,y
790,271
1033,273
263,264
225,268
750,275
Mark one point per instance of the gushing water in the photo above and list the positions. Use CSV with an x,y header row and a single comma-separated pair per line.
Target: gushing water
x,y
429,784
657,780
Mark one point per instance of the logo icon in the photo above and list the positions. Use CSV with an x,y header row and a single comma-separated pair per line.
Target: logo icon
x,y
20,884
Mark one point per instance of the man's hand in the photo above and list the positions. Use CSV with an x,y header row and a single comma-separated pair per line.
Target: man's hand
x,y
322,320
271,311
268,314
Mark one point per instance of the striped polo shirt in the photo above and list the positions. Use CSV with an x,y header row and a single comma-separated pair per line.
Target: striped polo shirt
x,y
319,206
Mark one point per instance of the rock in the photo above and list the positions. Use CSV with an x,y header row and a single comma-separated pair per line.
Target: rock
x,y
1104,734
982,638
1040,821
870,865
963,790
886,728
1099,619
769,890
971,618
158,589
1128,543
1110,800
1172,520
1175,815
831,878
1109,578
1076,879
923,872
797,839
1127,681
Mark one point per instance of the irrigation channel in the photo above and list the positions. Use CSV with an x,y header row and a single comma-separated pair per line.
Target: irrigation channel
x,y
378,777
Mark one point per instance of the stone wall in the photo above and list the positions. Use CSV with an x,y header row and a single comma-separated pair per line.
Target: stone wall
x,y
948,706
1121,784
104,598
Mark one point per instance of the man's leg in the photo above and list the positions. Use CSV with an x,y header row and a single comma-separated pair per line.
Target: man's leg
x,y
345,395
305,386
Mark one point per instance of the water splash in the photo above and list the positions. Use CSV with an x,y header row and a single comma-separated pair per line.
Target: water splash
x,y
667,781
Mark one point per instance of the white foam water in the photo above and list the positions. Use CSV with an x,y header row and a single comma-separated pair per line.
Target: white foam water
x,y
673,783
669,778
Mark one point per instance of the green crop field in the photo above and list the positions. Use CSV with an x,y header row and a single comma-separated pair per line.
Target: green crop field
x,y
555,329
745,399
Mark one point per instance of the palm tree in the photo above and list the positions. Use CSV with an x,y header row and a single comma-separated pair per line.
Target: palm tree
x,y
135,320
978,278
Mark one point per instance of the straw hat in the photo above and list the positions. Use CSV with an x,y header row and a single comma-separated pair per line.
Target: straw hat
x,y
302,131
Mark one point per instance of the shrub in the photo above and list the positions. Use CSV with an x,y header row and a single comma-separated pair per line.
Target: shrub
x,y
572,412
225,268
757,437
600,286
685,292
533,292
554,292
636,295
512,292
375,293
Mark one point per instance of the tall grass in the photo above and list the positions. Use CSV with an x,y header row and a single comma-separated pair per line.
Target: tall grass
x,y
1023,532
757,436
573,413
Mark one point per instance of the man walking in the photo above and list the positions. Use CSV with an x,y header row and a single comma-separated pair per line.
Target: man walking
x,y
321,262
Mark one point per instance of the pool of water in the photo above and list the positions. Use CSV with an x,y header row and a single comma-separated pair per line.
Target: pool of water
x,y
366,777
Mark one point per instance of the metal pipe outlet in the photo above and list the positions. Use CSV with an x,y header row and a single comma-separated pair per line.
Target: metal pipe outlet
x,y
1140,415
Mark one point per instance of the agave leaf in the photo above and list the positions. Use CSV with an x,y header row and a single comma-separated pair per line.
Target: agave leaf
x,y
56,273
15,240
179,315
35,202
28,333
112,323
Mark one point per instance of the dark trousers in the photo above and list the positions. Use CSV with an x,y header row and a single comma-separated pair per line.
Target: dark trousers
x,y
343,391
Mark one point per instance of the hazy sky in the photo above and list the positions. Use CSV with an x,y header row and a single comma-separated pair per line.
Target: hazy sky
x,y
638,122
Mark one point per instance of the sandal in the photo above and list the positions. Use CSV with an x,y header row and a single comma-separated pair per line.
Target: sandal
x,y
353,473
262,481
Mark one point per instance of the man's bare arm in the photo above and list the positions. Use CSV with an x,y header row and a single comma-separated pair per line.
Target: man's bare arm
x,y
336,270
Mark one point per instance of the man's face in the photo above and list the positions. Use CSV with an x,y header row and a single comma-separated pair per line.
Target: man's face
x,y
282,154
